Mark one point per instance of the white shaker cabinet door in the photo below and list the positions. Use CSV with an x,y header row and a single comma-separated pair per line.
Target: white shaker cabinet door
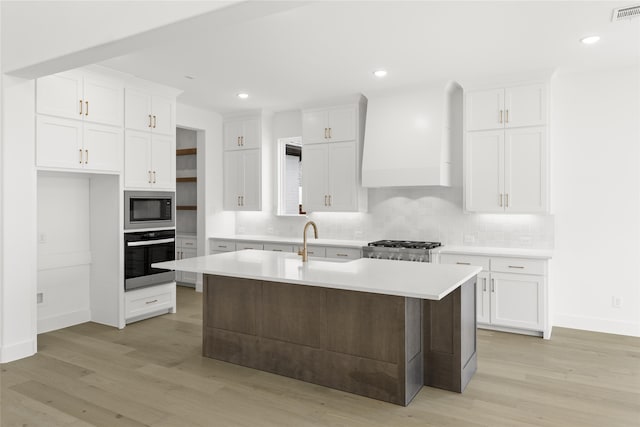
x,y
315,127
485,109
163,115
163,162
485,171
60,95
483,298
342,124
251,180
517,300
315,166
137,110
232,135
59,143
103,101
251,134
342,176
102,147
525,173
525,106
232,180
137,159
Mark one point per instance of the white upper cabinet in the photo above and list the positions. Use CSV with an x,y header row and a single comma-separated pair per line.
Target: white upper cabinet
x,y
150,161
334,124
511,107
81,95
79,122
506,152
148,112
242,180
331,158
242,134
329,177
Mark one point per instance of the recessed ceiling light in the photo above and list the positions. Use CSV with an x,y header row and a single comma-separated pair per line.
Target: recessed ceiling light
x,y
243,95
380,73
590,39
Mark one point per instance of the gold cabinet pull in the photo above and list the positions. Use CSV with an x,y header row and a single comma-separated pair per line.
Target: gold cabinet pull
x,y
325,133
238,202
86,156
325,200
506,120
500,116
152,301
242,200
149,176
242,141
149,120
154,177
329,199
484,284
330,133
506,200
500,199
238,142
155,121
516,266
80,160
493,285
81,107
86,113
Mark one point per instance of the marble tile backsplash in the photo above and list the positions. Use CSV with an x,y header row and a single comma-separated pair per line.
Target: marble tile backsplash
x,y
433,214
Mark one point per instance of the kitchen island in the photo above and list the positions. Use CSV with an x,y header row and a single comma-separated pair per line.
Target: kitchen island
x,y
377,328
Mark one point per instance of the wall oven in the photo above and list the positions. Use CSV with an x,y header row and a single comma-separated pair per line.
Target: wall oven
x,y
149,209
141,249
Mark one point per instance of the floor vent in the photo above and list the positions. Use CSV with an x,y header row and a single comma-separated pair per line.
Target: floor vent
x,y
625,13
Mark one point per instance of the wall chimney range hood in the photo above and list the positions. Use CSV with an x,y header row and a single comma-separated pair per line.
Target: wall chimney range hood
x,y
409,135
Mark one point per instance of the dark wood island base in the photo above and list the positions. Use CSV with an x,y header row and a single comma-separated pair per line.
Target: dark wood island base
x,y
380,346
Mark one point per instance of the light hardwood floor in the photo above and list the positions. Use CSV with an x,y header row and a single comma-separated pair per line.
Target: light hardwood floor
x,y
151,373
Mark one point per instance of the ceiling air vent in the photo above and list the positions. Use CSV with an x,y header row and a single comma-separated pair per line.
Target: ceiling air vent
x,y
625,13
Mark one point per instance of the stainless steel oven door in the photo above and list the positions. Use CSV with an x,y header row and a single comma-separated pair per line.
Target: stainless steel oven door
x,y
143,249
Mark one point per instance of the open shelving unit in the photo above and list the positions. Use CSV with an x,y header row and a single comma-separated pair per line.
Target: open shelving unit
x,y
186,180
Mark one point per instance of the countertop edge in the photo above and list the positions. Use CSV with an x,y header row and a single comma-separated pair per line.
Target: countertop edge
x,y
293,240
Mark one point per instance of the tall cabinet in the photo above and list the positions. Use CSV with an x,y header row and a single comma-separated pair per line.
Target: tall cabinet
x,y
506,150
332,141
242,168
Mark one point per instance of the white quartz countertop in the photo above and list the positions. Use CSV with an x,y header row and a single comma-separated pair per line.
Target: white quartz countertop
x,y
491,251
294,240
407,279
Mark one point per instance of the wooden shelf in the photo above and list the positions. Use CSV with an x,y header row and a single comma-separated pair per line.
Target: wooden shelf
x,y
186,151
187,179
187,208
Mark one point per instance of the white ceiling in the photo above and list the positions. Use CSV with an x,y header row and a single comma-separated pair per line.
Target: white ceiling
x,y
320,50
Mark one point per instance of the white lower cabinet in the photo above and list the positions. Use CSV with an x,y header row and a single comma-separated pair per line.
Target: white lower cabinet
x,y
143,303
510,292
186,247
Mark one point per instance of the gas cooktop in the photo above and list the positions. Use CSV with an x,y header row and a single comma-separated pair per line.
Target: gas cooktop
x,y
406,244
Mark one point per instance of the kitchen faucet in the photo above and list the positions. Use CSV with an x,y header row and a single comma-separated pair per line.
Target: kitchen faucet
x,y
303,251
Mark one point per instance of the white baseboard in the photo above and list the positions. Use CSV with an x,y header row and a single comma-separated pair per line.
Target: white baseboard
x,y
20,350
65,320
597,324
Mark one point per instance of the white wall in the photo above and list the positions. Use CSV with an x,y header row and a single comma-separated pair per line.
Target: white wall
x,y
18,220
64,252
596,198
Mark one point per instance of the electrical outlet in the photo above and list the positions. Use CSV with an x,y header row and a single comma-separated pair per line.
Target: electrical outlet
x,y
616,301
469,238
40,297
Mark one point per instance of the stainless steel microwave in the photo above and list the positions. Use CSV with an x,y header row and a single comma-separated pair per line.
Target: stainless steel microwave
x,y
149,209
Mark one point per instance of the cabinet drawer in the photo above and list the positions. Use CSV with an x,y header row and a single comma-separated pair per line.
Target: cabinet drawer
x,y
223,245
518,265
480,261
278,247
149,300
188,242
343,253
240,245
315,251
